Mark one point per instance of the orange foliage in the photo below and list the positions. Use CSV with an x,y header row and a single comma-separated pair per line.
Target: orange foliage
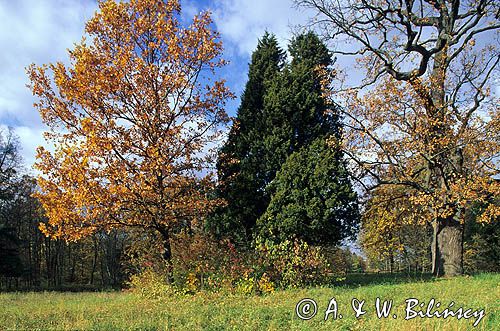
x,y
445,159
133,119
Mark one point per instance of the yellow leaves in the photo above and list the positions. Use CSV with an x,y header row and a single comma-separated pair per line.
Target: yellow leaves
x,y
398,132
135,123
491,214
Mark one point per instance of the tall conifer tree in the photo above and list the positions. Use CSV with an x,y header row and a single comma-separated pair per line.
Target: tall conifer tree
x,y
295,111
282,111
240,165
311,197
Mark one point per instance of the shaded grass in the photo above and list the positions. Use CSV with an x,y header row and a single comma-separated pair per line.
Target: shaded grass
x,y
128,311
363,279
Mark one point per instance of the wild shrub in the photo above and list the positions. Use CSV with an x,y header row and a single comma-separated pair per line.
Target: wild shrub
x,y
294,264
150,284
204,263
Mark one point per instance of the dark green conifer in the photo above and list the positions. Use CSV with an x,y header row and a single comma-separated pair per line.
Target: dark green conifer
x,y
312,199
239,167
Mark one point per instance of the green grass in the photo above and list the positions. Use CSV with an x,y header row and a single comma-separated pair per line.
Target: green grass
x,y
125,310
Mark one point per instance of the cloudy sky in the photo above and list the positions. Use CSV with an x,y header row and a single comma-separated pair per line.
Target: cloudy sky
x,y
41,31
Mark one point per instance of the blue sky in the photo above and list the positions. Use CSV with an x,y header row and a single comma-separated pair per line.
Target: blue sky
x,y
41,31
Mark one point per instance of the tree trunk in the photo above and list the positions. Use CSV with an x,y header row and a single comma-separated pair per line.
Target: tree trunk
x,y
447,248
167,253
94,261
391,262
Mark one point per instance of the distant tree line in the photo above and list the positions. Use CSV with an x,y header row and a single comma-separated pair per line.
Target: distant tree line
x,y
29,259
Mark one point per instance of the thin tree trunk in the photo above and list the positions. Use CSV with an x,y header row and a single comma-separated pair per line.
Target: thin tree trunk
x,y
94,261
167,253
391,262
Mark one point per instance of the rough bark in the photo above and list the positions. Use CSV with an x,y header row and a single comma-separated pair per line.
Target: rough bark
x,y
447,259
447,252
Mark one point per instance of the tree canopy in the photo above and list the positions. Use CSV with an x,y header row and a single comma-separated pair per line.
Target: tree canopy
x,y
132,117
424,116
312,199
282,110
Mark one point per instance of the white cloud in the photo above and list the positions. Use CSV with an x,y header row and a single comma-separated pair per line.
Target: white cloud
x,y
41,31
34,32
243,22
30,139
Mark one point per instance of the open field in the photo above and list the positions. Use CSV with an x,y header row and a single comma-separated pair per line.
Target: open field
x,y
125,310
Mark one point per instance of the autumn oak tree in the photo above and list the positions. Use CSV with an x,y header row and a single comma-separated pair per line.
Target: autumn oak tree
x,y
133,119
424,116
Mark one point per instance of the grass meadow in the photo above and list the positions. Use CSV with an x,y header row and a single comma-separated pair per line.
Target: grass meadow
x,y
276,311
